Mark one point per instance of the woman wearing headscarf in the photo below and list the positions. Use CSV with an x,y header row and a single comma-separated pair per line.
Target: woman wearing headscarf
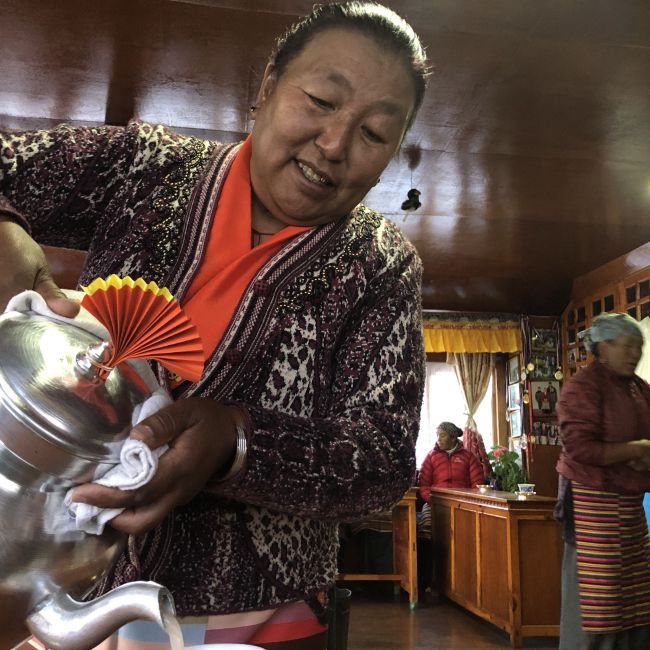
x,y
308,304
604,415
449,464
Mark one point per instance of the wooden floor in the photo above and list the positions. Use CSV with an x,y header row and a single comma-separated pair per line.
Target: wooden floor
x,y
380,623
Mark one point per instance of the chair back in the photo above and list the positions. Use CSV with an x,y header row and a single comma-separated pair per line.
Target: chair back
x,y
66,265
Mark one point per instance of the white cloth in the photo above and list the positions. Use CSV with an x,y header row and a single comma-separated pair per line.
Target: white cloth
x,y
138,463
136,468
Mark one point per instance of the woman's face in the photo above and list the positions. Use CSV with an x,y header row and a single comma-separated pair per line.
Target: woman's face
x,y
621,354
326,129
445,441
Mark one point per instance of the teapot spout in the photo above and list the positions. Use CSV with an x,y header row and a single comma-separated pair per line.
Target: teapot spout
x,y
62,623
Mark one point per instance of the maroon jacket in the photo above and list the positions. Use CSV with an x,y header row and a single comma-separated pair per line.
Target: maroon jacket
x,y
460,469
598,406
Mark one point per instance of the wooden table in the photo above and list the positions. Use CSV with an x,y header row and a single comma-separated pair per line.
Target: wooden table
x,y
499,557
405,565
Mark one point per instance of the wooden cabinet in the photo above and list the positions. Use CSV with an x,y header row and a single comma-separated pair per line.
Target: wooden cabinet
x,y
499,557
622,285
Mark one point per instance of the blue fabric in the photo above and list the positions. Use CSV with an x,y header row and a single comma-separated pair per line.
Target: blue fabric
x,y
646,507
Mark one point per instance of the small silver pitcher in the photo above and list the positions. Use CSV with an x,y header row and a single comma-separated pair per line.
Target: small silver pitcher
x,y
61,426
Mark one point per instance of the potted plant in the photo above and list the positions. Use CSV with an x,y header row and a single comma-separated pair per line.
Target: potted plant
x,y
507,468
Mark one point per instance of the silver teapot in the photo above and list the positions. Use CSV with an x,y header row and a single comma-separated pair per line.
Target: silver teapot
x,y
60,425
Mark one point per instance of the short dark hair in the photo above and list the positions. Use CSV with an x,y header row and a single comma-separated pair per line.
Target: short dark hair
x,y
370,18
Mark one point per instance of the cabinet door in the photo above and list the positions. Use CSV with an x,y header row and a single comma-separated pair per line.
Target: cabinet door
x,y
441,533
465,561
540,563
495,591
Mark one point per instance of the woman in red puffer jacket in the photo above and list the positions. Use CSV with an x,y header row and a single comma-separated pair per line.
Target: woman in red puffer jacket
x,y
449,464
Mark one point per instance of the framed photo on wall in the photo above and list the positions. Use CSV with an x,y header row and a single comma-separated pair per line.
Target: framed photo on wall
x,y
514,417
514,396
544,396
545,365
543,340
513,369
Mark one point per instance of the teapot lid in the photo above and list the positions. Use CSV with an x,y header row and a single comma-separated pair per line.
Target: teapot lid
x,y
42,387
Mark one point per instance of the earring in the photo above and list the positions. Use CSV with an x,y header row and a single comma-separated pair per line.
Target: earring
x,y
253,108
377,181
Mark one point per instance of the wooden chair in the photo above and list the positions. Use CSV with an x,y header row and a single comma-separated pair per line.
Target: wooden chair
x,y
66,265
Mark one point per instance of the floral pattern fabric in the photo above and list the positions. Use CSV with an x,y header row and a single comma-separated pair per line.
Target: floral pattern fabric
x,y
324,353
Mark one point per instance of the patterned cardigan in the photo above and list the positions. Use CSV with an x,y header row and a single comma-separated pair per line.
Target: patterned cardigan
x,y
324,353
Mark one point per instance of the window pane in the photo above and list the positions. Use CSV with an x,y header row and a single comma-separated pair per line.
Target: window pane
x,y
609,303
444,401
596,307
571,317
645,311
644,288
632,312
630,294
571,335
581,314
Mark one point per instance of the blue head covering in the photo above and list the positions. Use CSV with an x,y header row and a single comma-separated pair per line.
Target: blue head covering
x,y
607,327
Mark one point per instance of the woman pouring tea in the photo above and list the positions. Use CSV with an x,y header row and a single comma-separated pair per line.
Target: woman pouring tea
x,y
307,302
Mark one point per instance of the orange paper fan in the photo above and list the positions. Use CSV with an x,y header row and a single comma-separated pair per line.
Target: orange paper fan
x,y
145,322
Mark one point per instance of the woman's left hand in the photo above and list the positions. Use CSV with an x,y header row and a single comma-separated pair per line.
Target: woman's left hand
x,y
201,434
638,465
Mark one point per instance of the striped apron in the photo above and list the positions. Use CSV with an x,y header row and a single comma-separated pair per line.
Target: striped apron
x,y
613,560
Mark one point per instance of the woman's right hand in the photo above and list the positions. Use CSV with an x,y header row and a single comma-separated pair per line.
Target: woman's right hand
x,y
641,451
23,266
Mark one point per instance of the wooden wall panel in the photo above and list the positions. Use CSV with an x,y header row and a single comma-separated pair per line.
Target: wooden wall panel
x,y
533,141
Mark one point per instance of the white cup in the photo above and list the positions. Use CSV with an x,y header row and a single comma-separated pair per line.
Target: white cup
x,y
526,488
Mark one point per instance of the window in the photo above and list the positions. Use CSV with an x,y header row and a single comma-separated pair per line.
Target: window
x,y
596,307
444,401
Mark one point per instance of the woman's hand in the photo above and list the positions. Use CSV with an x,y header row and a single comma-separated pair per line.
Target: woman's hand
x,y
202,437
23,266
641,451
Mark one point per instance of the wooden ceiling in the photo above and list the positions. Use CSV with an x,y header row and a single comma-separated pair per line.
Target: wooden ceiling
x,y
533,141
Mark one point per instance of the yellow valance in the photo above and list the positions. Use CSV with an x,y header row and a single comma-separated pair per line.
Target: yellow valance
x,y
458,334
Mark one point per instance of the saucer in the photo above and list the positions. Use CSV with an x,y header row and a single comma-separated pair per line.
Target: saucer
x,y
523,495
